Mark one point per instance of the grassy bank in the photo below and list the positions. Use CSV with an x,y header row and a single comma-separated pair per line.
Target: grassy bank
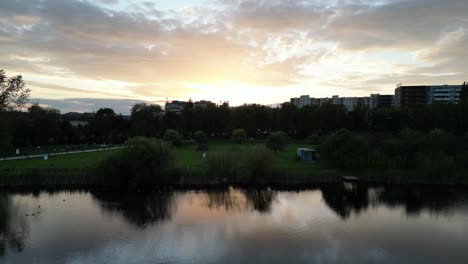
x,y
190,168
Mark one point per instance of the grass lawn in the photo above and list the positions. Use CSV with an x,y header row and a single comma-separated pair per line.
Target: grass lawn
x,y
70,161
187,158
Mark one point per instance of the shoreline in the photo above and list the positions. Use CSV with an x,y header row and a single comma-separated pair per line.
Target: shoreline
x,y
65,178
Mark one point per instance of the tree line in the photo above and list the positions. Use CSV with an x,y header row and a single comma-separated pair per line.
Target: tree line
x,y
40,126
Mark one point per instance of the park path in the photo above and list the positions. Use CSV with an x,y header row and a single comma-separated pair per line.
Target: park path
x,y
59,153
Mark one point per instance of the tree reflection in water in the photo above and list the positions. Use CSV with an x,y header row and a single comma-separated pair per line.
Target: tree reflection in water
x,y
432,198
13,226
229,199
140,209
347,198
259,200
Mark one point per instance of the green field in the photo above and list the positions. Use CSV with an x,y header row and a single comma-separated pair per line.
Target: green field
x,y
70,161
187,158
79,168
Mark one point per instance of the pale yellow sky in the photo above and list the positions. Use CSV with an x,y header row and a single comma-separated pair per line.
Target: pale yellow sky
x,y
240,51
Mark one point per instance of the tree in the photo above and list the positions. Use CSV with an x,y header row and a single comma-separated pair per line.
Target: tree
x,y
109,127
345,150
13,92
146,120
143,161
239,135
277,141
200,137
44,125
464,92
173,137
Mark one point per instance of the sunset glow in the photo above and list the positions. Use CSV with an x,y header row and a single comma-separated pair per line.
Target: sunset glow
x,y
241,51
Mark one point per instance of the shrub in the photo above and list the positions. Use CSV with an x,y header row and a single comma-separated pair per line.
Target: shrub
x,y
258,163
173,136
345,150
142,161
438,139
239,135
200,137
223,165
277,141
203,147
313,139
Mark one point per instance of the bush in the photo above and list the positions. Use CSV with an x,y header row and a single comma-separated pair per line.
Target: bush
x,y
345,150
277,141
203,147
143,161
173,136
259,163
234,167
223,165
239,135
313,139
200,137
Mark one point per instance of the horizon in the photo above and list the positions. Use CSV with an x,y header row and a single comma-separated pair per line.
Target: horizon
x,y
123,106
77,54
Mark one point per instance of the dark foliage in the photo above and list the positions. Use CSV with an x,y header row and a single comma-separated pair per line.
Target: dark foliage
x,y
143,161
173,136
277,141
345,150
239,135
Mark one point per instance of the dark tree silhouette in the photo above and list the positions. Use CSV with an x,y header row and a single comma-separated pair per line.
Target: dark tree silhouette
x,y
140,209
13,92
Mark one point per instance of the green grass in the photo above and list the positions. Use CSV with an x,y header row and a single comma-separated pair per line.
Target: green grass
x,y
49,149
187,159
70,161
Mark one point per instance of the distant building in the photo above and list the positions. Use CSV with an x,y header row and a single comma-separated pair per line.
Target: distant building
x,y
408,96
294,101
304,100
336,100
175,106
426,94
178,106
363,101
444,93
379,101
202,104
349,103
77,123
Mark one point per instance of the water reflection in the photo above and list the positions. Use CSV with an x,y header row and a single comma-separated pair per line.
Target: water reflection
x,y
140,209
13,227
348,198
259,200
330,223
345,198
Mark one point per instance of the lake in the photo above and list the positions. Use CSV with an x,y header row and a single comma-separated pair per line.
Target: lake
x,y
331,223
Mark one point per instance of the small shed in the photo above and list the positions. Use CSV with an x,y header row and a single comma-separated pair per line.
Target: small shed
x,y
306,155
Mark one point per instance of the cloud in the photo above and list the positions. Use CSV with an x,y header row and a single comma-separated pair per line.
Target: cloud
x,y
306,45
122,106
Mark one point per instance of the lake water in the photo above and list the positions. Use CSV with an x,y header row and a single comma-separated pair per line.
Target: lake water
x,y
326,224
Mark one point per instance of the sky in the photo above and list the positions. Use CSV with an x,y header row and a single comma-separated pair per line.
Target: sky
x,y
79,55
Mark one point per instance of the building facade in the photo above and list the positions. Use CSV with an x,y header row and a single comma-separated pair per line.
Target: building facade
x,y
379,101
444,93
409,96
175,106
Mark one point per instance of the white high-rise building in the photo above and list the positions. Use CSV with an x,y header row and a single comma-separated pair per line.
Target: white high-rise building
x,y
444,93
